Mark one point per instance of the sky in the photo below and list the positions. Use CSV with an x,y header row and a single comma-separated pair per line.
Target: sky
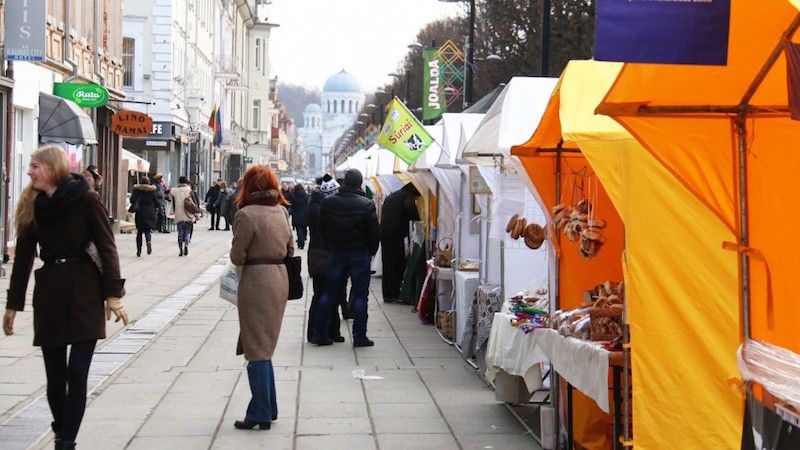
x,y
368,38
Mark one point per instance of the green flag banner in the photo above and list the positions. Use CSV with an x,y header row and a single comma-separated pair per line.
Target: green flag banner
x,y
434,103
402,133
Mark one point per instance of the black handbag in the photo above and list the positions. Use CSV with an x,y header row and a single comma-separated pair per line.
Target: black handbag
x,y
294,267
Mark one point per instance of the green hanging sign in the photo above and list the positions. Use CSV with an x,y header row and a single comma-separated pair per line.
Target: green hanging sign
x,y
434,103
85,95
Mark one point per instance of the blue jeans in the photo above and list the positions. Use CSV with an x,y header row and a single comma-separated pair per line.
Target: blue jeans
x,y
184,232
356,265
263,405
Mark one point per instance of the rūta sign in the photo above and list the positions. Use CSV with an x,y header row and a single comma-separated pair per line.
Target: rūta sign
x,y
85,95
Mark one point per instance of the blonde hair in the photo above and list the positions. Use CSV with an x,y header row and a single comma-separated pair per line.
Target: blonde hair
x,y
56,166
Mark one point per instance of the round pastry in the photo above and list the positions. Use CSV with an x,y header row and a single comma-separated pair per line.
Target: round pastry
x,y
512,223
535,235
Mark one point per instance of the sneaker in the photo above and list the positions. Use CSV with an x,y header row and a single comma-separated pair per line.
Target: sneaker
x,y
363,343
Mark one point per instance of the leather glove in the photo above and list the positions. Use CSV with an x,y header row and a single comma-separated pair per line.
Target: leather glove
x,y
8,321
114,305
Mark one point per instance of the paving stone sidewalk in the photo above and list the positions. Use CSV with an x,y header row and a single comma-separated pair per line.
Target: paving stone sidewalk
x,y
185,386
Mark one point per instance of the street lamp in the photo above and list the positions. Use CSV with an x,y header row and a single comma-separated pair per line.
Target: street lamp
x,y
470,52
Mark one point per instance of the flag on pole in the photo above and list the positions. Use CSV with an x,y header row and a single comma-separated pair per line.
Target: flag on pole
x,y
212,119
402,133
218,126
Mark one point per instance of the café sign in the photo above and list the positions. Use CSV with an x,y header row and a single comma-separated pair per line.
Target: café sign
x,y
85,95
132,124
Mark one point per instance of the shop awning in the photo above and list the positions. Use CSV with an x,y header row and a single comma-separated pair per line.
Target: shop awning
x,y
135,163
61,120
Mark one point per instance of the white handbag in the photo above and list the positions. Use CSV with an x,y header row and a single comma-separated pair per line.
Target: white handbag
x,y
229,284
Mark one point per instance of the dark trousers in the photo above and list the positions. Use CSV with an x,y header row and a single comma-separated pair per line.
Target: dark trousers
x,y
333,326
302,232
224,216
393,257
263,406
214,218
161,219
66,385
139,233
355,265
184,232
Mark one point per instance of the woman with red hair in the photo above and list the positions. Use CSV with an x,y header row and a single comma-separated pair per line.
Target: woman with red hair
x,y
262,239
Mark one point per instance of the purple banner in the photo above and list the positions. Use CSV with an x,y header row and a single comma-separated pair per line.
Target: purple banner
x,y
663,31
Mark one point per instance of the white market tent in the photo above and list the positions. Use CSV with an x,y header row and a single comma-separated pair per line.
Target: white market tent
x,y
511,120
135,163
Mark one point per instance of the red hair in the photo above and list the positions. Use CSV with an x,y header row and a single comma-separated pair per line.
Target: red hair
x,y
259,178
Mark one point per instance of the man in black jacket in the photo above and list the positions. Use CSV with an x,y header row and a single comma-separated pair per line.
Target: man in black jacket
x,y
349,224
399,208
211,200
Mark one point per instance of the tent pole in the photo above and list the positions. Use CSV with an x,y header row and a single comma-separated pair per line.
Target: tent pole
x,y
554,378
744,232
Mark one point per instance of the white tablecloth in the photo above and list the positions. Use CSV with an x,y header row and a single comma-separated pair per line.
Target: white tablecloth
x,y
466,285
584,364
513,351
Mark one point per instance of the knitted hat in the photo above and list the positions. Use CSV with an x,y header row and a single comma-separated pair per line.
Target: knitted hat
x,y
329,188
353,178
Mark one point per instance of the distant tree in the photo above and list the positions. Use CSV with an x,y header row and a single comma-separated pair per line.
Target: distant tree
x,y
296,98
512,30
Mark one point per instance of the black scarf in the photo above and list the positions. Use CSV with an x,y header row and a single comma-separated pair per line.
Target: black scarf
x,y
48,210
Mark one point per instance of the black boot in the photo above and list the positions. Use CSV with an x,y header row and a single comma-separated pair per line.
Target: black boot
x,y
64,445
180,247
185,248
149,248
138,250
250,424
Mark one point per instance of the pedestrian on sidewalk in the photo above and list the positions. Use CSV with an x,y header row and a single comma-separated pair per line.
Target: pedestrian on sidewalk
x,y
349,224
161,195
93,177
59,213
300,214
145,204
399,209
183,219
211,199
223,205
262,239
318,259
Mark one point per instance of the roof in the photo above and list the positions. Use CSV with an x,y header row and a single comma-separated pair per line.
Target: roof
x,y
342,82
312,108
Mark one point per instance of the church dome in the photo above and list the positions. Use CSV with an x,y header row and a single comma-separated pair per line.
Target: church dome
x,y
313,108
342,82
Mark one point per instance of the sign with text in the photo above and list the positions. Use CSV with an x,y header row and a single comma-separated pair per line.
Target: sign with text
x,y
402,133
434,103
25,30
85,95
663,31
131,124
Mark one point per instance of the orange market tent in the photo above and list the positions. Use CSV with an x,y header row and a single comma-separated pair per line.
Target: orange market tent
x,y
672,257
725,133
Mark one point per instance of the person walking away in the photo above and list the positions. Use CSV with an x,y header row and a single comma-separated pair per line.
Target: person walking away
x,y
211,200
262,239
97,180
300,214
349,224
145,204
161,196
223,205
72,298
318,259
183,220
398,210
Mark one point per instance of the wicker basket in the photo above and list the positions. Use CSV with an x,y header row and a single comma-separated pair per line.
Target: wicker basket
x,y
446,322
605,323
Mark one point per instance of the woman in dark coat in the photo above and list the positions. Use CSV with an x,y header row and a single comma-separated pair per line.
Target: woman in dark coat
x,y
300,214
145,204
318,258
72,297
223,205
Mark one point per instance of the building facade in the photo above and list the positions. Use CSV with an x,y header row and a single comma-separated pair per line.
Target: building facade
x,y
340,102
